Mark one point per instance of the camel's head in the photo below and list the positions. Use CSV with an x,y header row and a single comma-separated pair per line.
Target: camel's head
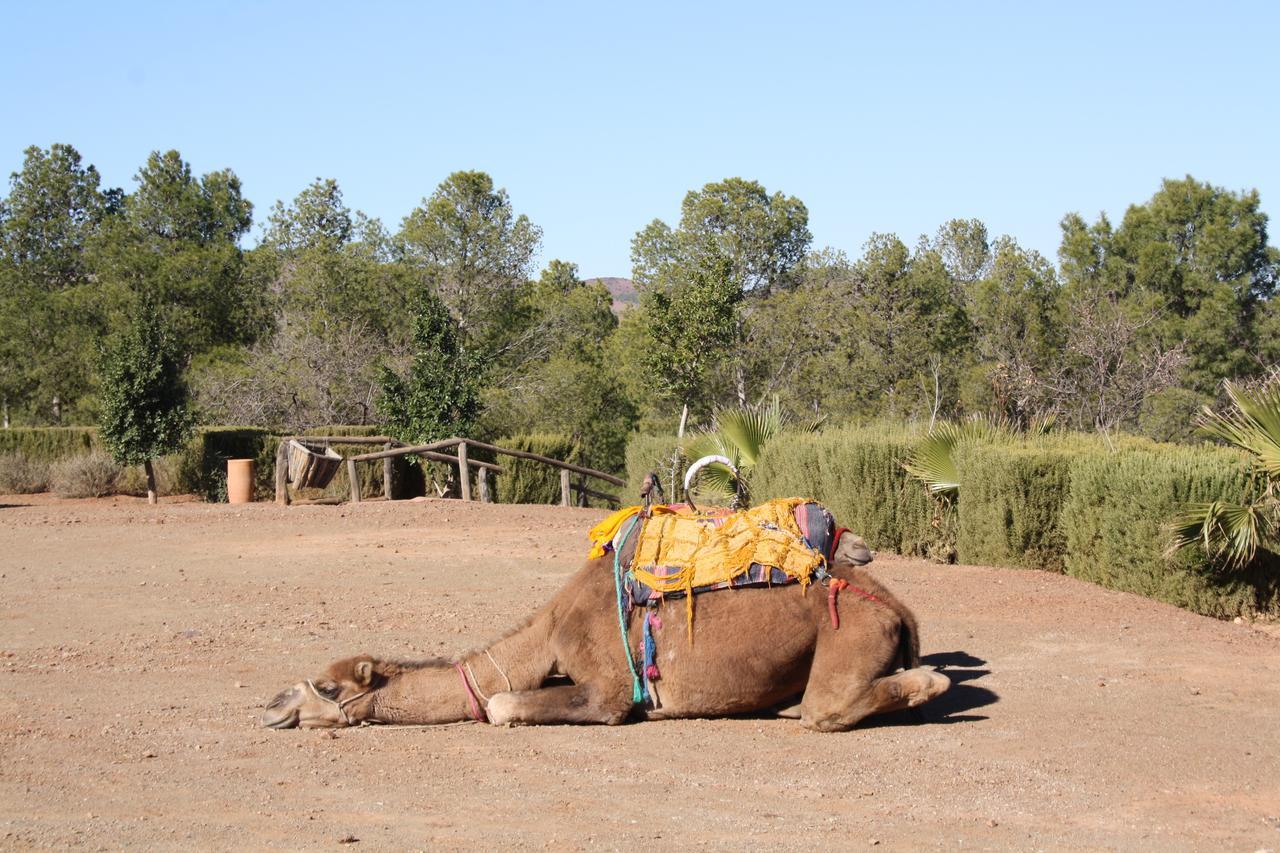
x,y
328,700
851,550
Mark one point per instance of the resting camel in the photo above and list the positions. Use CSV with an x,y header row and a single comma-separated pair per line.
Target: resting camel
x,y
752,650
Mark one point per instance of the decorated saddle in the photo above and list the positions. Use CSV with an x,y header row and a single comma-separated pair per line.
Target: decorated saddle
x,y
675,551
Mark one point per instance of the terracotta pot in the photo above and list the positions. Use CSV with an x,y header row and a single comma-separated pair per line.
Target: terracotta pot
x,y
239,481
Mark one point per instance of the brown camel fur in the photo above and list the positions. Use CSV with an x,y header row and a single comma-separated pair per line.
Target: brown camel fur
x,y
753,650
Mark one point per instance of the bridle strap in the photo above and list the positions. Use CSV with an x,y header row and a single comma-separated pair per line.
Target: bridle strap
x,y
477,712
341,706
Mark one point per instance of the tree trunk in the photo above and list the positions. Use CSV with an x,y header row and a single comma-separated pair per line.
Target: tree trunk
x,y
151,481
684,419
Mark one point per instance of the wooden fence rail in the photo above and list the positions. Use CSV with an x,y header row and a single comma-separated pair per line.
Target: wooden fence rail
x,y
393,449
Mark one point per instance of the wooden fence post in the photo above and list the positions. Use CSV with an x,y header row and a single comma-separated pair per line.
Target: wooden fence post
x,y
464,472
354,477
282,472
386,474
564,488
482,480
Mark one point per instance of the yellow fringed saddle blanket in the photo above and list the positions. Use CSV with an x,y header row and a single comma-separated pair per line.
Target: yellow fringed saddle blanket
x,y
679,551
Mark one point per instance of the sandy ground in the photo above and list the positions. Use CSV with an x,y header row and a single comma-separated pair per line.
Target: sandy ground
x,y
138,645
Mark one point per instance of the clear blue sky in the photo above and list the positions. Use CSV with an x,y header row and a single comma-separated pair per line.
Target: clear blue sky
x,y
597,119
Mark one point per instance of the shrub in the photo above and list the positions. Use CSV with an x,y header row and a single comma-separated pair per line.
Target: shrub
x,y
658,453
1010,511
49,443
92,475
1116,523
22,475
525,481
857,473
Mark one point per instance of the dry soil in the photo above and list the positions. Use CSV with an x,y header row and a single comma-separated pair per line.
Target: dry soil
x,y
138,645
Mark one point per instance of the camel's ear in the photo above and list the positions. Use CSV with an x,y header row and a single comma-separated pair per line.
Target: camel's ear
x,y
364,673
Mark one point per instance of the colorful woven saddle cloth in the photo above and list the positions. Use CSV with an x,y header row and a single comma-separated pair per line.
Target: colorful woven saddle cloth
x,y
676,551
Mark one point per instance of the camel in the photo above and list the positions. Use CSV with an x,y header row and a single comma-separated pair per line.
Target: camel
x,y
752,650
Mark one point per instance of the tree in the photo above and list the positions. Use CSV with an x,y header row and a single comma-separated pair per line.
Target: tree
x,y
438,398
145,407
691,326
906,330
756,241
51,307
1016,314
53,208
177,244
573,387
471,249
1202,252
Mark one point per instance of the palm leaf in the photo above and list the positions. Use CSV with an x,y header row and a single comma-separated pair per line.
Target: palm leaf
x,y
934,458
748,430
1254,425
1225,530
934,461
718,480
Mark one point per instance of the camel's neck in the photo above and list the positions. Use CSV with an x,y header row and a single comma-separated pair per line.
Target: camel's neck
x,y
437,694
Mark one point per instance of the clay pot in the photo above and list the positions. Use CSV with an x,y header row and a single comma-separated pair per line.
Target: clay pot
x,y
239,481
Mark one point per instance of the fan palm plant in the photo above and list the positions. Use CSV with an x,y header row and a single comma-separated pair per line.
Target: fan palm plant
x,y
740,435
1234,532
934,460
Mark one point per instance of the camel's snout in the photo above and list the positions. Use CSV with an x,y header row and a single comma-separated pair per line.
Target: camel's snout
x,y
282,711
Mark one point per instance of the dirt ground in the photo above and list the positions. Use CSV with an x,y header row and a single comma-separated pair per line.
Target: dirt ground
x,y
139,644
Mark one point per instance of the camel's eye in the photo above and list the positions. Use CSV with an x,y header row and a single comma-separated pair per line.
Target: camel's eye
x,y
328,688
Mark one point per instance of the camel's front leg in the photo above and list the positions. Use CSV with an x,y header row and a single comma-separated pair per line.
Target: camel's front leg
x,y
575,703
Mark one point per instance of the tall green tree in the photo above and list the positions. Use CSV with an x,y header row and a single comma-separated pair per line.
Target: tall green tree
x,y
438,397
732,229
52,308
146,410
574,387
692,326
177,244
1016,313
470,248
1197,250
907,331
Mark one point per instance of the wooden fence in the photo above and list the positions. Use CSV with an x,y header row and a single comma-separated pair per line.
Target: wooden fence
x,y
392,449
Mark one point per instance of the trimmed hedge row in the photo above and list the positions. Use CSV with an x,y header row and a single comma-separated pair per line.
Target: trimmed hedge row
x,y
857,473
1064,503
1114,521
1010,509
525,481
49,443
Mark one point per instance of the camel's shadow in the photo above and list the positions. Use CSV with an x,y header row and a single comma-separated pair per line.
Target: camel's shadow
x,y
962,668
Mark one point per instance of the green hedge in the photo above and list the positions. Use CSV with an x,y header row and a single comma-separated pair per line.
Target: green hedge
x,y
1116,524
1010,509
657,453
49,443
857,473
1098,511
525,481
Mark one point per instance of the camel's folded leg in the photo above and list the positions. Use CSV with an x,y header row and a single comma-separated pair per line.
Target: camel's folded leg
x,y
833,712
576,703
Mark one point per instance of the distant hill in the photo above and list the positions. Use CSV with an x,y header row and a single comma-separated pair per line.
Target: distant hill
x,y
623,291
